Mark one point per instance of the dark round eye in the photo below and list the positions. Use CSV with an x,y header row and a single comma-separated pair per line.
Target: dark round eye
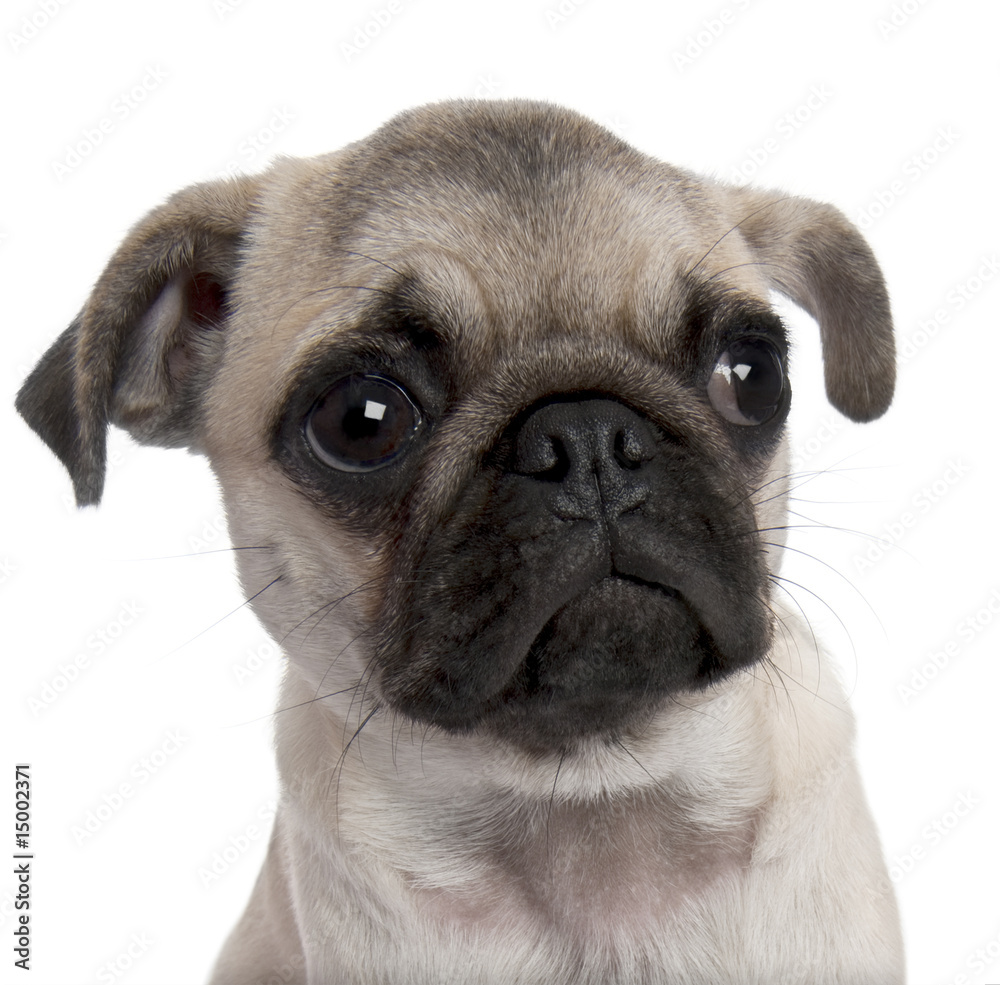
x,y
361,423
747,383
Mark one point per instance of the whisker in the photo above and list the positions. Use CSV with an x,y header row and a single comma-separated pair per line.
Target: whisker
x,y
364,256
749,215
333,661
215,550
338,769
812,632
324,608
768,665
839,573
242,604
330,288
830,609
310,701
552,800
736,266
628,752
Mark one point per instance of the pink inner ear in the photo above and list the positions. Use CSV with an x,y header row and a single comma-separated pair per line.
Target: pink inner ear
x,y
206,300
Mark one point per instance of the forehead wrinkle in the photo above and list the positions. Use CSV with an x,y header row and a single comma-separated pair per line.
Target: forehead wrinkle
x,y
594,245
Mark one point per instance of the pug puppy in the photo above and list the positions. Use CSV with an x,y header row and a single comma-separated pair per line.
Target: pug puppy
x,y
497,405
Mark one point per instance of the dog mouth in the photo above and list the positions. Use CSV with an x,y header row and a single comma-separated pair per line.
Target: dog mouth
x,y
597,657
542,671
552,613
603,663
590,640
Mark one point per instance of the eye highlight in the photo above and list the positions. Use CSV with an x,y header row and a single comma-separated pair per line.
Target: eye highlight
x,y
362,423
748,382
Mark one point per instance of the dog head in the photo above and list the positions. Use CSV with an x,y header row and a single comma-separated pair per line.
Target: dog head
x,y
497,401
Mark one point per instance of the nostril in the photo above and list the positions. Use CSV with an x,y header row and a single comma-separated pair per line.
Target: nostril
x,y
628,450
570,442
543,456
558,462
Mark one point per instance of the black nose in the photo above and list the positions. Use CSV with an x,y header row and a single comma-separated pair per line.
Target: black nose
x,y
591,454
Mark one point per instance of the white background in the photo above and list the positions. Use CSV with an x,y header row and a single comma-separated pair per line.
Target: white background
x,y
886,109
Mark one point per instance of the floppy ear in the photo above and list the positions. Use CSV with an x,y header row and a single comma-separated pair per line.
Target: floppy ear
x,y
140,352
813,255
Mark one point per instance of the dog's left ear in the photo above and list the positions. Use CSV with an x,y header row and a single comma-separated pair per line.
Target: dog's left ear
x,y
813,255
139,353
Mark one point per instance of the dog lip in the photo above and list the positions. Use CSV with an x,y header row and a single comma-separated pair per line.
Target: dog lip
x,y
615,566
645,582
538,642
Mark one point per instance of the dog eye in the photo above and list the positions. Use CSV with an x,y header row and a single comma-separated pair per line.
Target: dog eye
x,y
361,423
747,383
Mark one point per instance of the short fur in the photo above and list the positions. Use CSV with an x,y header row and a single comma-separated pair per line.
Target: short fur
x,y
544,717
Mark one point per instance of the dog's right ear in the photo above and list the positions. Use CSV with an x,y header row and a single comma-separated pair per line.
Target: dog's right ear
x,y
142,349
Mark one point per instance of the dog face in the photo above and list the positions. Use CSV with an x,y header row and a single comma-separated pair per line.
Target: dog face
x,y
496,404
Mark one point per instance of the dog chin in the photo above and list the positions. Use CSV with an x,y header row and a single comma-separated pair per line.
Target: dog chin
x,y
601,667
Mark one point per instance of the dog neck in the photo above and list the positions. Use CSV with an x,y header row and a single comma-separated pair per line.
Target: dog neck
x,y
473,833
